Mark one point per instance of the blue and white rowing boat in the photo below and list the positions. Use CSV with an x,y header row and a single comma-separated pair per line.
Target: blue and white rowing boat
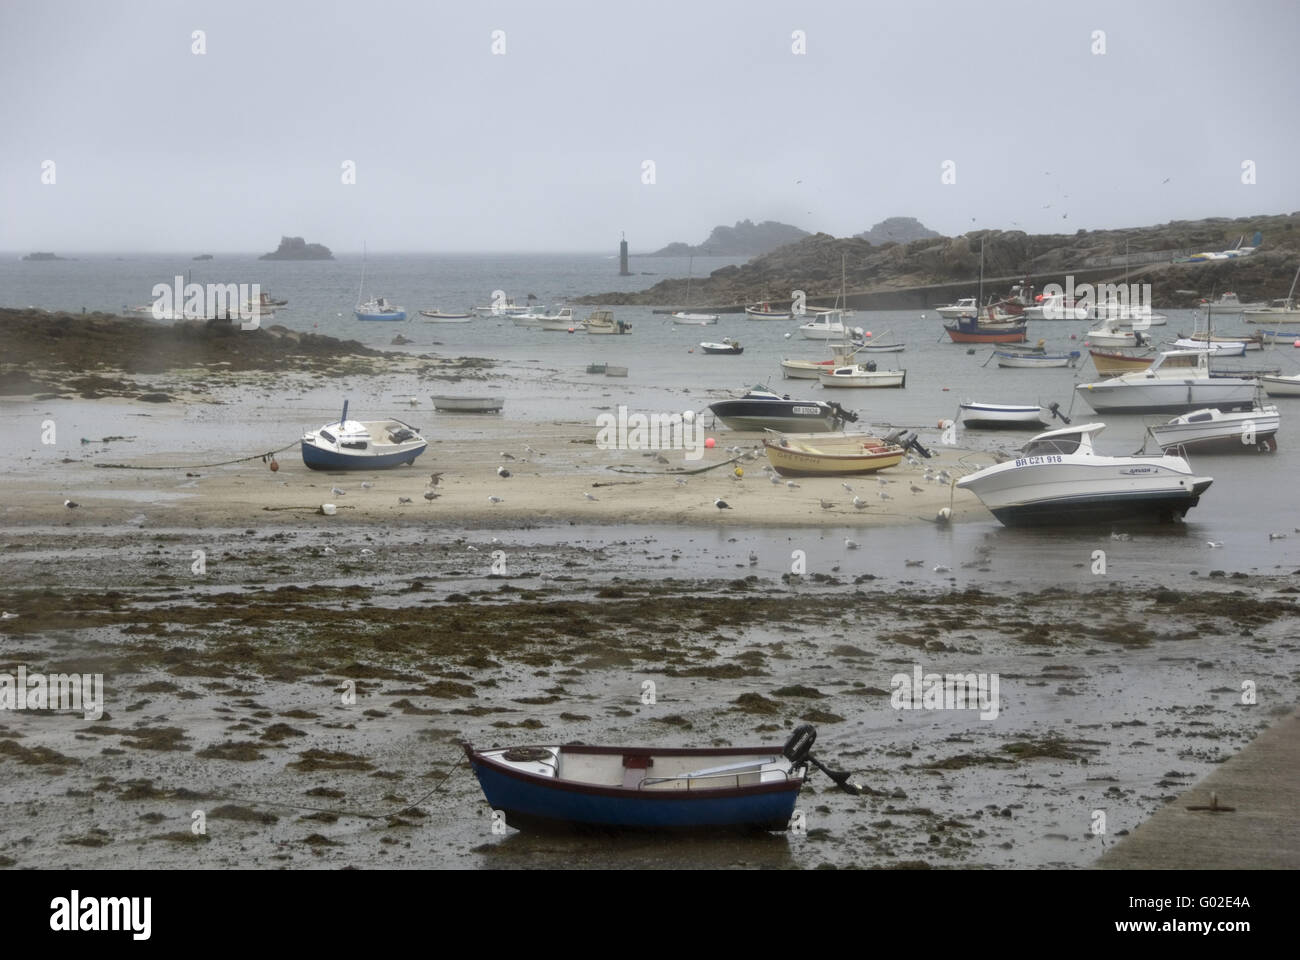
x,y
648,788
361,445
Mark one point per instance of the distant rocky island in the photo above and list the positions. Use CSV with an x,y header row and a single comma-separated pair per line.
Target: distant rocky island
x,y
44,256
295,248
937,269
208,256
745,239
897,230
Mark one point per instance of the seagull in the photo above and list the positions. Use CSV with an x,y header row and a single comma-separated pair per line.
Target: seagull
x,y
588,496
776,481
792,485
434,478
846,487
338,492
882,481
430,495
827,504
495,500
915,489
1277,536
859,503
71,505
505,456
661,459
850,544
407,499
940,568
529,449
366,484
943,516
885,496
414,401
1213,543
502,472
680,481
722,504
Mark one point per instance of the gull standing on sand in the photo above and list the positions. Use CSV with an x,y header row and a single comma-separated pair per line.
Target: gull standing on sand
x,y
492,499
792,485
366,484
589,496
503,473
859,503
404,499
846,486
827,504
850,544
431,496
338,492
885,496
434,478
505,456
722,504
680,481
70,504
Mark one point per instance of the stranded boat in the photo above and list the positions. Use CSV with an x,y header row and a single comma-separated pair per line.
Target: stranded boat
x,y
1216,430
1008,416
761,409
361,445
1059,479
1176,381
829,454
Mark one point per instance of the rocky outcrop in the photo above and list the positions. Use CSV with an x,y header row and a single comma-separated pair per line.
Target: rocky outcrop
x,y
295,248
898,230
745,239
813,263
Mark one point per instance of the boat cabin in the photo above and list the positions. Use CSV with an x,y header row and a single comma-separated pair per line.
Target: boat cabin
x,y
1067,440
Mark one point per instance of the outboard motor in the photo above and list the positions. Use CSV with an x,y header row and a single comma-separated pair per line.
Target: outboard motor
x,y
871,366
907,440
1055,409
848,416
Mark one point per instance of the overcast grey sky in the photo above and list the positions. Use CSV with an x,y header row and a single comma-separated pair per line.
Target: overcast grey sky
x,y
542,147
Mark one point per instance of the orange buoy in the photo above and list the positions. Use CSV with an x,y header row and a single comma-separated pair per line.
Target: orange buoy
x,y
710,443
275,464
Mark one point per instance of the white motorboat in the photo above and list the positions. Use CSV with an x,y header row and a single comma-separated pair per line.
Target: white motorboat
x,y
761,409
764,311
1252,342
1032,359
827,326
964,307
1176,381
1228,304
1277,386
1212,429
727,346
694,319
1008,416
1286,310
562,321
1109,334
1058,478
862,375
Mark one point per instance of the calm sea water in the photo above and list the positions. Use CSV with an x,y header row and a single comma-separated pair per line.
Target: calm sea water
x,y
543,374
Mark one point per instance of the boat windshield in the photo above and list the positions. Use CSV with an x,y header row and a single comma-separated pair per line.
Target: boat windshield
x,y
1066,444
327,436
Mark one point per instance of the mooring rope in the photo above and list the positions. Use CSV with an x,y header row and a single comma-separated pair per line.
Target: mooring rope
x,y
198,466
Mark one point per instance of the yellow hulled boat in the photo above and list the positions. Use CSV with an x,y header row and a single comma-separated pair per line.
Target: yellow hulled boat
x,y
829,454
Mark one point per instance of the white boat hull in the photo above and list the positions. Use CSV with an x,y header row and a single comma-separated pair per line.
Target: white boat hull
x,y
1169,395
1000,416
865,379
1281,386
1215,430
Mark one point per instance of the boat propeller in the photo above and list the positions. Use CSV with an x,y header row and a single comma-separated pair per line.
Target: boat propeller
x,y
798,750
907,440
846,415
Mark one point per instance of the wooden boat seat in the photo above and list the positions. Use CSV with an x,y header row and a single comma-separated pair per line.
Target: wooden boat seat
x,y
635,769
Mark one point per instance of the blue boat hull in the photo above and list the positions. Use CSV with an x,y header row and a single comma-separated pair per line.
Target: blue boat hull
x,y
400,315
318,459
556,805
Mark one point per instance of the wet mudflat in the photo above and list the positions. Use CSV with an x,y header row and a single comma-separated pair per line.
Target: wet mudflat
x,y
307,692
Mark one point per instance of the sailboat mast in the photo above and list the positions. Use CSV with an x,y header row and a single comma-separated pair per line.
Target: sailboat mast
x,y
1290,297
362,289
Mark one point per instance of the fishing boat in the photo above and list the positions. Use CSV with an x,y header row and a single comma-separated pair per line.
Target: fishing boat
x,y
829,454
1109,334
764,311
1278,386
468,404
862,375
874,345
575,786
603,322
964,307
811,369
728,346
361,445
971,330
1176,381
1008,416
1218,430
265,304
761,409
1058,479
1030,359
505,307
437,316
